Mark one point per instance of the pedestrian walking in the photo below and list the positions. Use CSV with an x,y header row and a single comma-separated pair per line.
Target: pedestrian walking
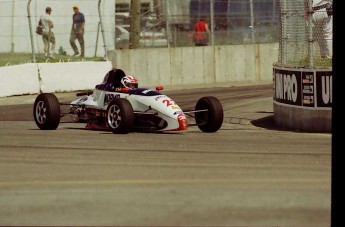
x,y
77,31
48,36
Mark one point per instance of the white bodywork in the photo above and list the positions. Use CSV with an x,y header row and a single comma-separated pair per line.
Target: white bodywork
x,y
158,104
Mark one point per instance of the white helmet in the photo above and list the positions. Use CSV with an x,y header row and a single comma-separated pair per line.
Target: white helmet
x,y
129,82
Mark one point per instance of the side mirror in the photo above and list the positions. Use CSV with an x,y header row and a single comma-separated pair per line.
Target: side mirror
x,y
159,88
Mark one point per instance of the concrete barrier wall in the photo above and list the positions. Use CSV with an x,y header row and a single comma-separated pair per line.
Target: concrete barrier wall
x,y
200,65
19,79
74,76
51,77
159,66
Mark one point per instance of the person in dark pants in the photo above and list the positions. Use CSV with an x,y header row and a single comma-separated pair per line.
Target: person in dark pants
x,y
201,33
77,31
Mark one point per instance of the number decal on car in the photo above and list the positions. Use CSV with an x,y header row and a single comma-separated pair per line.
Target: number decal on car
x,y
168,102
109,97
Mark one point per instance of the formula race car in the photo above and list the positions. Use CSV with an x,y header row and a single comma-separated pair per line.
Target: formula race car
x,y
117,104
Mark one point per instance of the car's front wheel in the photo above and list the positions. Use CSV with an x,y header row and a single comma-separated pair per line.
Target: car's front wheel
x,y
47,111
210,117
120,116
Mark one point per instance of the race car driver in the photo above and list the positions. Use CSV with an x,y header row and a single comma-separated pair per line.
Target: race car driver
x,y
129,82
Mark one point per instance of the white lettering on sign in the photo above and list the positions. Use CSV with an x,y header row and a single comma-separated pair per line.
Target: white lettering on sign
x,y
286,87
327,92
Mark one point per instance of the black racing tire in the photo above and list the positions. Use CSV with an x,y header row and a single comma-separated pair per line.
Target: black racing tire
x,y
120,116
47,111
211,120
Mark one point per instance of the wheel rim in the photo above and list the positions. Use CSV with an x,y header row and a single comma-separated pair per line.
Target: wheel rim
x,y
41,112
114,116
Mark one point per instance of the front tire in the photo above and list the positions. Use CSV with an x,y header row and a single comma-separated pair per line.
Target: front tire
x,y
47,111
120,116
212,119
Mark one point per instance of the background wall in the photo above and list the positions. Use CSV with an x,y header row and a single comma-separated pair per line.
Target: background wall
x,y
158,66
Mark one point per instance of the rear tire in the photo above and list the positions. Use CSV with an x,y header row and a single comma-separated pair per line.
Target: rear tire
x,y
212,119
120,116
47,111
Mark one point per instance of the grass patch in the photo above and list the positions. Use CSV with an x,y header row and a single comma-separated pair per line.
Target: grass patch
x,y
7,59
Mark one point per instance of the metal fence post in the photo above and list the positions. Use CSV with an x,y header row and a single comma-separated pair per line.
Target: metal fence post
x,y
30,28
252,21
310,38
102,29
212,21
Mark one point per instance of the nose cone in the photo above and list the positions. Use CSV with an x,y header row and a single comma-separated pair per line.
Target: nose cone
x,y
182,121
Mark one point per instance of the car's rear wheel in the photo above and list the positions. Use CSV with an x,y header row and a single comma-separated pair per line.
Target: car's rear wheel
x,y
47,111
120,116
211,119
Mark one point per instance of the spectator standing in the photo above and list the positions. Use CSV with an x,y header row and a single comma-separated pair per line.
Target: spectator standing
x,y
201,33
47,33
77,31
323,26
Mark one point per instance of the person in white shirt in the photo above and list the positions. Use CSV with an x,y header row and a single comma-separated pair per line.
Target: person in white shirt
x,y
322,18
47,33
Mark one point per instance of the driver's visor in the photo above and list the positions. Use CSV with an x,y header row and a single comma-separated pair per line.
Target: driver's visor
x,y
132,85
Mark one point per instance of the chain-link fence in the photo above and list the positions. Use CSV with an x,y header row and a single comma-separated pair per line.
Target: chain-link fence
x,y
230,21
21,44
164,23
305,34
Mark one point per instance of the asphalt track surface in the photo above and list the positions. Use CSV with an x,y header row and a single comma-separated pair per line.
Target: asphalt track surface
x,y
249,173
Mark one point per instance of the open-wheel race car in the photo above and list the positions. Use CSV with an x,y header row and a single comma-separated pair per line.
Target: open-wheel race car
x,y
119,105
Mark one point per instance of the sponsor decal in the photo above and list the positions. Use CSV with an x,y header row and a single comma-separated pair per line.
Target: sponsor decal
x,y
159,97
286,85
309,88
177,112
324,88
109,96
82,100
182,121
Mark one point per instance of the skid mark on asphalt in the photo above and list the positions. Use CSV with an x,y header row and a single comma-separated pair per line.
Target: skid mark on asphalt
x,y
164,182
